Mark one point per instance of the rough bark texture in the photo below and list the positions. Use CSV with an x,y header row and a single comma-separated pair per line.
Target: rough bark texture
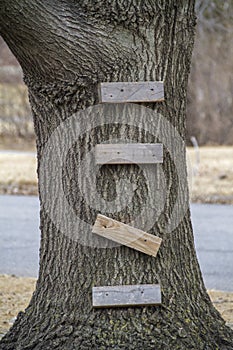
x,y
65,48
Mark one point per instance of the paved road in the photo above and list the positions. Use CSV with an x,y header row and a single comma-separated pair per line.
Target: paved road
x,y
213,232
19,235
19,239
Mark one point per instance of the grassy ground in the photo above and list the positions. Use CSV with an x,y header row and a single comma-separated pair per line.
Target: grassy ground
x,y
211,183
211,180
15,143
15,294
18,174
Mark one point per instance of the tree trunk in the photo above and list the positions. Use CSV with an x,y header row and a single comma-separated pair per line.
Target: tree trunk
x,y
65,49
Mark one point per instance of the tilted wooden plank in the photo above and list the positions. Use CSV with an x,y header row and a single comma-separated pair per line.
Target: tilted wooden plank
x,y
139,153
126,296
127,235
121,92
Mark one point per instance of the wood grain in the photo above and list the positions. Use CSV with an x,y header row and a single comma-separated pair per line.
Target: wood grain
x,y
126,296
121,92
127,235
138,153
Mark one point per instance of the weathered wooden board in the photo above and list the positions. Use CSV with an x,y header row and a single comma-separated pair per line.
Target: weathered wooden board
x,y
121,92
126,296
138,153
127,235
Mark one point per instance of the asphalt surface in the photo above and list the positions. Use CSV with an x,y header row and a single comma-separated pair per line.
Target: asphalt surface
x,y
213,234
19,235
213,231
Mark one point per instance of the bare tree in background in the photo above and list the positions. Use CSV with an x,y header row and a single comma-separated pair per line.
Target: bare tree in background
x,y
15,114
210,102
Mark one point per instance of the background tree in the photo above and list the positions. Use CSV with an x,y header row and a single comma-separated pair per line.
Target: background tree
x,y
65,49
209,109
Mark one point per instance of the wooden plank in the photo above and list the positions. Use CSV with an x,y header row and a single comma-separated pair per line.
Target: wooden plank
x,y
127,235
126,296
149,91
138,153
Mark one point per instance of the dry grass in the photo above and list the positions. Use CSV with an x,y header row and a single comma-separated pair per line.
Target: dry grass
x,y
16,292
13,98
18,144
214,180
15,113
18,173
212,184
223,301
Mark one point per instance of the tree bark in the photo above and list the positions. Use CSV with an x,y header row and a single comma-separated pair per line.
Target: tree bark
x,y
65,49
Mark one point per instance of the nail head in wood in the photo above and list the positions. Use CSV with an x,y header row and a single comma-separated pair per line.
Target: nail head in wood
x,y
127,235
126,296
122,92
138,153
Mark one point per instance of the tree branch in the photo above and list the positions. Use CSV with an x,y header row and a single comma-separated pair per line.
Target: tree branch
x,y
55,41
